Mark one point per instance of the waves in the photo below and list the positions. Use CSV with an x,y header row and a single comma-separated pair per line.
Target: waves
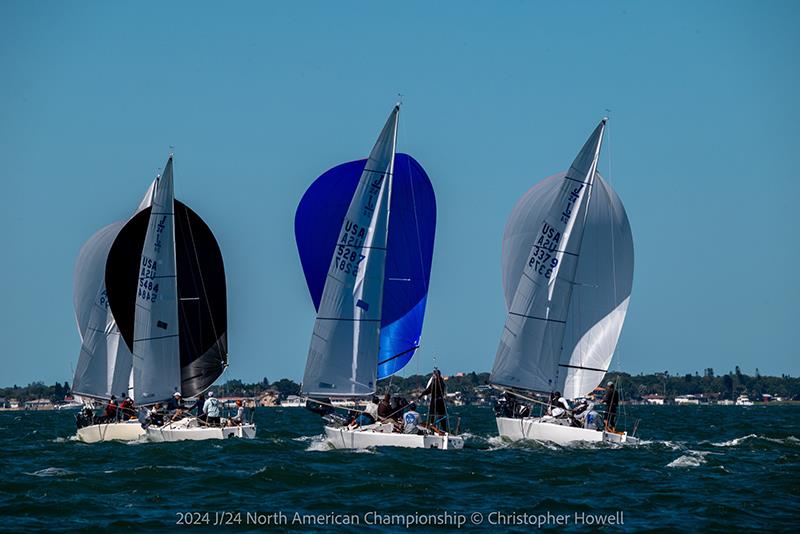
x,y
738,467
52,472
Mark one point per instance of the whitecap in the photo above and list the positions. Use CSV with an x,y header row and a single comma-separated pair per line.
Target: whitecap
x,y
734,442
51,472
309,438
319,444
497,443
692,459
174,467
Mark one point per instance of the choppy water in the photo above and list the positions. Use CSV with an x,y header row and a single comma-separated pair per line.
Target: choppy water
x,y
701,469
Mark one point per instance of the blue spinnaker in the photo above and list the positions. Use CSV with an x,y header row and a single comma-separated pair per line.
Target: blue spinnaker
x,y
412,225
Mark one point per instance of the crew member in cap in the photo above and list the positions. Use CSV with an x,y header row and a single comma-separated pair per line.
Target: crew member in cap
x,y
211,409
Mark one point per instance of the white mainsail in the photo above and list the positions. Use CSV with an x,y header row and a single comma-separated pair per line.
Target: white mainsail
x,y
105,362
343,356
567,293
156,349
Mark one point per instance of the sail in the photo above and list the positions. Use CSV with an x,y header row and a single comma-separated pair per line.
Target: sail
x,y
604,278
203,307
530,352
105,363
343,355
202,293
408,261
156,344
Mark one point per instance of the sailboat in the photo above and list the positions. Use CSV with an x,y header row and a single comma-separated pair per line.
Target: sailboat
x,y
368,275
567,277
165,288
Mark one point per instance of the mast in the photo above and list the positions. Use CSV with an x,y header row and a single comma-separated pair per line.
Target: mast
x,y
531,344
343,354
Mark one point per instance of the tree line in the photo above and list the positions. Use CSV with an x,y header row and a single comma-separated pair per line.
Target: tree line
x,y
473,385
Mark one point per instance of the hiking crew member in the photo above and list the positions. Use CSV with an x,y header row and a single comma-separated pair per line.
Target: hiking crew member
x,y
197,407
111,409
559,406
175,403
411,420
372,408
156,414
238,419
126,407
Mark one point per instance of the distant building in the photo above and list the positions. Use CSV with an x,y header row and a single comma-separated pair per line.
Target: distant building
x,y
230,402
39,404
687,399
654,399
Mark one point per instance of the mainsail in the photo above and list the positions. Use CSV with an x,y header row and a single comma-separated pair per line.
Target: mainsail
x,y
180,333
156,369
343,355
105,363
567,273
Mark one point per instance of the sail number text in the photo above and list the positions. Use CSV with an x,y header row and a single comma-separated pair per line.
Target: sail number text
x,y
543,259
147,291
348,249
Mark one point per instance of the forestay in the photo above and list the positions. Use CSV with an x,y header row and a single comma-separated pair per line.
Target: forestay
x,y
343,355
567,275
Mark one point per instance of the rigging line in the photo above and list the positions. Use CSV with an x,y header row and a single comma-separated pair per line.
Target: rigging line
x,y
202,281
416,224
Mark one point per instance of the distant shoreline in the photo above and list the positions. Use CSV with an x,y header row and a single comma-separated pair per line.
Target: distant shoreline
x,y
475,389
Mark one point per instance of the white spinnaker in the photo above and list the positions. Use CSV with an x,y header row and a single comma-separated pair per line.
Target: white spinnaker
x,y
156,347
529,354
343,356
604,277
105,362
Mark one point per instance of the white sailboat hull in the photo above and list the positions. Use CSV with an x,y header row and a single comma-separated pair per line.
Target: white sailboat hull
x,y
192,430
123,431
534,428
343,438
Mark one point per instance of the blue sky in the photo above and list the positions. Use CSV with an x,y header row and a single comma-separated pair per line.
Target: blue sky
x,y
259,98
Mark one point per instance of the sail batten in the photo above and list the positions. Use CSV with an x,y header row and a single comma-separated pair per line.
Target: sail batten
x,y
564,275
343,354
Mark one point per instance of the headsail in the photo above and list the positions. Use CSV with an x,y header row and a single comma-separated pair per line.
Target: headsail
x,y
567,274
412,229
343,356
